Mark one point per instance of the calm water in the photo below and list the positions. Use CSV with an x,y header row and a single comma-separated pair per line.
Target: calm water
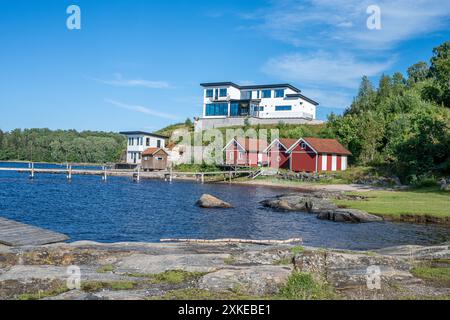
x,y
121,210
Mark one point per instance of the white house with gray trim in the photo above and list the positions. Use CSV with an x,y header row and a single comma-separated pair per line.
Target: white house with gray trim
x,y
138,141
228,104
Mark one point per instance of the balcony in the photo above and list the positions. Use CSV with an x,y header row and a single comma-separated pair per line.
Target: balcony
x,y
218,99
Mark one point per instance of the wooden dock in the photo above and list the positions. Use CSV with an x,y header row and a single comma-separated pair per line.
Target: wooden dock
x,y
167,175
16,234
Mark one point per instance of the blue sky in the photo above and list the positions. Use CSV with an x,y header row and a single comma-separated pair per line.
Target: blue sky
x,y
137,64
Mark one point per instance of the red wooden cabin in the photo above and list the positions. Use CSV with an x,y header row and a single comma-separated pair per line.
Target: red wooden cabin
x,y
246,152
315,155
277,153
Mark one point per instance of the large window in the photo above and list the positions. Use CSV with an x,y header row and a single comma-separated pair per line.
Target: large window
x,y
209,93
279,93
223,92
283,108
216,109
266,93
234,109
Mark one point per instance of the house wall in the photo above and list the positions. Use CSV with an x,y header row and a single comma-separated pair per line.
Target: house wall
x,y
341,162
277,157
232,155
303,159
139,144
153,163
300,107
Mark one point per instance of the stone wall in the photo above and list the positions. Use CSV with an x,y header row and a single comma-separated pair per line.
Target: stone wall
x,y
211,123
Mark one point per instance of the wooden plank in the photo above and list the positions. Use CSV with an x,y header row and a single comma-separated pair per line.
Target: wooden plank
x,y
16,234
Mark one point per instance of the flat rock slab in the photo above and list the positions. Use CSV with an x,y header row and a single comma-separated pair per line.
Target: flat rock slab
x,y
256,280
153,264
16,234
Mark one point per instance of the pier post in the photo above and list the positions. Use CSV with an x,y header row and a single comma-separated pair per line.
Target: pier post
x,y
104,173
69,176
203,178
231,175
138,178
171,175
31,165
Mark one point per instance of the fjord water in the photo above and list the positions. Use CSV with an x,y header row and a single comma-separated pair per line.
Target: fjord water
x,y
119,209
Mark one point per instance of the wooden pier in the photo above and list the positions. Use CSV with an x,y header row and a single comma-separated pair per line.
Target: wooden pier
x,y
16,234
136,175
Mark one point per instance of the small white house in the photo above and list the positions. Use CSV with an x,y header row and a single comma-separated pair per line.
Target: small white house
x,y
138,141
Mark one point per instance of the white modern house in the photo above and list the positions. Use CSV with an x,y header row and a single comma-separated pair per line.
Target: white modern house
x,y
228,104
139,141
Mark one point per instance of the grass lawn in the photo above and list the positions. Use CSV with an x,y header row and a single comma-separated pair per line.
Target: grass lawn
x,y
425,201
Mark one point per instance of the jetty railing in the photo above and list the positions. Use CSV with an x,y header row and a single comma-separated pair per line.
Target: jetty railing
x,y
136,175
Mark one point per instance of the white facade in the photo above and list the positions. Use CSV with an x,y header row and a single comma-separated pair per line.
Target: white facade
x,y
138,142
226,99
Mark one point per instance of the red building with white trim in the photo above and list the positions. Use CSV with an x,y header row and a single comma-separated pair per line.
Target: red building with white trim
x,y
246,152
316,155
277,153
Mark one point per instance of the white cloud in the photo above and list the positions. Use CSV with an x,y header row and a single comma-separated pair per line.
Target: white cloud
x,y
122,82
339,99
142,109
323,23
321,68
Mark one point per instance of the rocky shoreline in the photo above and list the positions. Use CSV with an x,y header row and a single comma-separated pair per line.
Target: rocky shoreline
x,y
217,271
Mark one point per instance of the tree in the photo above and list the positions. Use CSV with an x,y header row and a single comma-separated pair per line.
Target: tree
x,y
188,122
418,72
365,99
440,70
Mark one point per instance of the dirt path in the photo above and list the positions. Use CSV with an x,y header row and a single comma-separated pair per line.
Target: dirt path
x,y
314,186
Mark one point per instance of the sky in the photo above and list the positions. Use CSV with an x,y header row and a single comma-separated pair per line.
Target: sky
x,y
137,64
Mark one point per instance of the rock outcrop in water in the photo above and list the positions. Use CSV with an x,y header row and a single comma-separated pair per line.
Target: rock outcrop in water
x,y
209,201
320,204
215,271
348,215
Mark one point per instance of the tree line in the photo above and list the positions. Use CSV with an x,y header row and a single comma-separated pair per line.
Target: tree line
x,y
45,145
403,124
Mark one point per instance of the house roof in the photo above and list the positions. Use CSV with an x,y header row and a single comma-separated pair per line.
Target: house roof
x,y
252,145
259,86
326,146
299,95
143,133
286,143
152,151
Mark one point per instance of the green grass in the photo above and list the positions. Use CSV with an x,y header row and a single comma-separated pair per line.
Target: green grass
x,y
230,260
438,275
170,276
302,286
201,294
106,268
94,286
42,294
425,201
